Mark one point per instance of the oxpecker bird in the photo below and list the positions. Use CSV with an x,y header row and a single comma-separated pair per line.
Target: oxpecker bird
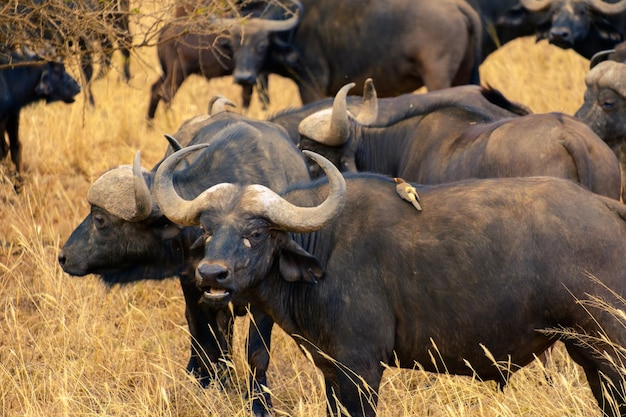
x,y
408,193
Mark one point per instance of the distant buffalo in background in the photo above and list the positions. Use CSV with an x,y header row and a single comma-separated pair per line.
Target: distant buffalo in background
x,y
25,79
586,26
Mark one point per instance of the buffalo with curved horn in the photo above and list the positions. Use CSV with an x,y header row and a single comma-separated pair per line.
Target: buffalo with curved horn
x,y
586,26
126,237
362,280
449,140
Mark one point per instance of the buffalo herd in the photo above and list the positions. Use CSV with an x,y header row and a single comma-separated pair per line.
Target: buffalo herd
x,y
298,221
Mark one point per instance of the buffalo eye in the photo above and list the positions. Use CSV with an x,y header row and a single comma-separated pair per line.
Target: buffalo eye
x,y
207,235
253,239
262,46
608,104
99,220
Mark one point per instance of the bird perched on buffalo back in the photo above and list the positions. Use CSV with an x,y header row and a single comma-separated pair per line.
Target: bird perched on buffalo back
x,y
408,193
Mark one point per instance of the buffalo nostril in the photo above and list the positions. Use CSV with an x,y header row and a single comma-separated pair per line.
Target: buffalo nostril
x,y
561,34
213,271
62,258
245,78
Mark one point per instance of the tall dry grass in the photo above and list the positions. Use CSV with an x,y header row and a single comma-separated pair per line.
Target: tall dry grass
x,y
71,347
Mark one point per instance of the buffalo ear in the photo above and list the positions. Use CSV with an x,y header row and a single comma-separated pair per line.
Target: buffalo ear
x,y
606,31
296,264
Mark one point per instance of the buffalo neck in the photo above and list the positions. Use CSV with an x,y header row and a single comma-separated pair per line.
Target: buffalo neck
x,y
384,149
292,305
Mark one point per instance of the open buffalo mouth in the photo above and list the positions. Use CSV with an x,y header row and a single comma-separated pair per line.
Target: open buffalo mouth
x,y
216,294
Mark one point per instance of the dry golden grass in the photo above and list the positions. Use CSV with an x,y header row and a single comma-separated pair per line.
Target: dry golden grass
x,y
70,347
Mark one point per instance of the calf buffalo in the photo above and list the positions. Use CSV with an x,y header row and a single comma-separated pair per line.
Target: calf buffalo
x,y
446,141
361,279
126,238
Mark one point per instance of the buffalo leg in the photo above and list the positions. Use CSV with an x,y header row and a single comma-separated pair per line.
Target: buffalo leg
x,y
126,54
13,125
259,338
345,386
263,90
4,146
155,97
603,378
207,342
86,65
167,86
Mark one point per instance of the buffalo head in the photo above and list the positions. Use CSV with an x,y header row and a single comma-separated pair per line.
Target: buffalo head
x,y
244,228
254,40
605,102
584,25
329,132
123,235
56,84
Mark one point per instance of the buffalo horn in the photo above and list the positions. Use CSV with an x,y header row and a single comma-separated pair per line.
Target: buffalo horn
x,y
143,199
174,143
178,210
369,109
535,5
257,199
329,126
608,8
608,74
264,202
123,192
270,25
600,57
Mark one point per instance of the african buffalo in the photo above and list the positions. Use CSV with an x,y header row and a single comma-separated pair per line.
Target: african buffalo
x,y
371,110
444,143
126,238
25,79
183,51
403,45
604,108
81,28
360,279
586,26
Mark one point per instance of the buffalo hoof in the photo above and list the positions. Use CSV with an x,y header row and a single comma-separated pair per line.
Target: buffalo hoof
x,y
219,373
261,405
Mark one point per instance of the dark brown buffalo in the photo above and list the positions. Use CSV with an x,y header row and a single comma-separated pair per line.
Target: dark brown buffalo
x,y
126,238
604,108
183,52
586,26
371,110
447,142
402,44
360,279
